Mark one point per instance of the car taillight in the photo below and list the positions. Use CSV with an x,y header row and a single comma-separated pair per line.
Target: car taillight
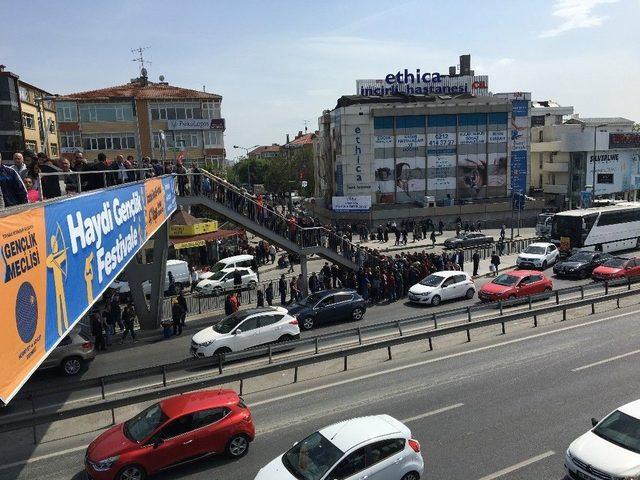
x,y
294,322
87,346
241,403
415,445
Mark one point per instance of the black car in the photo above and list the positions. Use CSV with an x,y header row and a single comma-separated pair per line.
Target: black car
x,y
328,306
471,239
580,264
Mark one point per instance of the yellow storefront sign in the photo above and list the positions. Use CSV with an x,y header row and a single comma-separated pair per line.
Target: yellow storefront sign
x,y
195,243
190,230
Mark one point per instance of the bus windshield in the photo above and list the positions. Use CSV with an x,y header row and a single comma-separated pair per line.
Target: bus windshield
x,y
574,228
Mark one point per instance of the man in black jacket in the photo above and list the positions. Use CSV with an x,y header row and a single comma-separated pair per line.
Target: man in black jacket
x,y
98,180
183,304
11,186
50,184
476,263
282,289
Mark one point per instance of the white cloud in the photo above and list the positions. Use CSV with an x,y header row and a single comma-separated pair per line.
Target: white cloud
x,y
576,14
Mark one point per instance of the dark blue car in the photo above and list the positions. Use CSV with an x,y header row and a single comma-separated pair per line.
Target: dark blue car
x,y
327,306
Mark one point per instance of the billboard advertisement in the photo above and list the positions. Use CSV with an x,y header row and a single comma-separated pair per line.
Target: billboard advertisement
x,y
472,175
358,203
59,258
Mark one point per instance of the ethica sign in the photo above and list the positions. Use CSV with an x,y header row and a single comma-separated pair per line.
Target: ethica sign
x,y
423,83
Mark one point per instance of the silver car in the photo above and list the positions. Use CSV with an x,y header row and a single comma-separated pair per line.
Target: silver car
x,y
71,355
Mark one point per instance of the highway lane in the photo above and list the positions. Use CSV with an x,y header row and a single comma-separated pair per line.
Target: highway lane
x,y
504,405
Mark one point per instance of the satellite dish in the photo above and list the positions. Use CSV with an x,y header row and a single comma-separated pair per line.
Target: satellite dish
x,y
162,78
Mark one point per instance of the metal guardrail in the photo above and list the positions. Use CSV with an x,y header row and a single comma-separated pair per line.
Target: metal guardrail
x,y
344,353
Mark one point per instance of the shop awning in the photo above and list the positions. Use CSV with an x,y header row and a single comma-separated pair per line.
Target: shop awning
x,y
203,238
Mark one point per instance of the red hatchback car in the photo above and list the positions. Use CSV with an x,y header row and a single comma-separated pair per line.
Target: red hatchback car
x,y
518,283
617,267
171,432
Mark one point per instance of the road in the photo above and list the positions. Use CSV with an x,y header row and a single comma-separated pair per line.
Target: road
x,y
500,407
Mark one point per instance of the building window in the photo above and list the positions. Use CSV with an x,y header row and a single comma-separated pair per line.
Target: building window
x,y
175,111
54,149
28,121
211,109
67,112
31,146
184,138
110,141
24,94
212,138
70,140
106,113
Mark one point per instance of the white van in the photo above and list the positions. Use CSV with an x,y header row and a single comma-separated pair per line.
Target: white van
x,y
179,270
237,261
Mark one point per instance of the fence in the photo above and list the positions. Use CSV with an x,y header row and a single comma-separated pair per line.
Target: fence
x,y
343,352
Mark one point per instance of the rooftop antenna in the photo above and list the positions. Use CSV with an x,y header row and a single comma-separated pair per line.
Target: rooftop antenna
x,y
306,123
140,58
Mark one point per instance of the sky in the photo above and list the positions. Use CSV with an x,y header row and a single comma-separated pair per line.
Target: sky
x,y
280,63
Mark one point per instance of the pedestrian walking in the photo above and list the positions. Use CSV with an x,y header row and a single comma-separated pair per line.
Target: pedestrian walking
x,y
476,263
440,226
176,317
268,293
128,319
97,329
194,278
460,260
228,306
495,263
433,239
259,298
183,304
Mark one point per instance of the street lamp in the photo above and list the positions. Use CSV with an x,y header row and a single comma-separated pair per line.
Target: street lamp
x,y
593,185
246,151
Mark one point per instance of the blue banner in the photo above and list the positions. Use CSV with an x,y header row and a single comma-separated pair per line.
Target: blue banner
x,y
519,171
520,108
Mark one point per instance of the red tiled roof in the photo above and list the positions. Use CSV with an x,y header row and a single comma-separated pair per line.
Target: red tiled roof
x,y
265,149
301,141
150,91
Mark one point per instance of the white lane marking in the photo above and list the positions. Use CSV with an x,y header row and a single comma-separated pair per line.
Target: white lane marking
x,y
431,413
431,360
606,360
41,457
518,466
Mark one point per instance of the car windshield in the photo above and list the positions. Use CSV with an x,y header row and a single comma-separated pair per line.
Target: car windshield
x,y
615,262
218,275
311,458
533,250
581,257
506,280
620,429
145,423
432,281
311,299
219,266
227,324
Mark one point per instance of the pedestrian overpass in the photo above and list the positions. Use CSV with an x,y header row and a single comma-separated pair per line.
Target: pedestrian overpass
x,y
61,255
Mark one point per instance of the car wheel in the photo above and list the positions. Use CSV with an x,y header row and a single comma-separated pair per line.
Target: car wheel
x,y
435,301
470,293
222,351
511,297
307,323
357,314
72,366
411,476
285,338
237,446
544,265
132,472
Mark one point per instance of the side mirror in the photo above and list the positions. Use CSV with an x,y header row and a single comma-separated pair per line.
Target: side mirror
x,y
237,332
594,421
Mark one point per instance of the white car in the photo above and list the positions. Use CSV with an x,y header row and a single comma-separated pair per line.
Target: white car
x,y
538,255
376,448
245,329
445,285
222,281
610,450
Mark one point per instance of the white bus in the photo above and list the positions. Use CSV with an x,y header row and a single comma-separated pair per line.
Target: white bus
x,y
605,229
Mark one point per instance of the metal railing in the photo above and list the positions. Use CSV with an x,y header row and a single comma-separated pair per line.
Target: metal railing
x,y
343,352
105,178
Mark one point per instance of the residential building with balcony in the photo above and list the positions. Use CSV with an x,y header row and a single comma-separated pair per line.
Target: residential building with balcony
x,y
27,117
143,118
565,155
265,151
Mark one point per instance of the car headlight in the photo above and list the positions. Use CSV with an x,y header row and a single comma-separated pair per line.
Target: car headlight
x,y
106,464
206,344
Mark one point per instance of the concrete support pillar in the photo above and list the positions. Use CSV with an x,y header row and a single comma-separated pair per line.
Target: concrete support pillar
x,y
149,314
305,275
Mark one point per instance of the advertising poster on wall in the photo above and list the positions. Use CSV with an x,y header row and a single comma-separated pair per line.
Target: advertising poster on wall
x,y
60,258
441,173
519,171
497,136
383,141
497,170
410,174
477,137
384,175
409,142
472,175
441,139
